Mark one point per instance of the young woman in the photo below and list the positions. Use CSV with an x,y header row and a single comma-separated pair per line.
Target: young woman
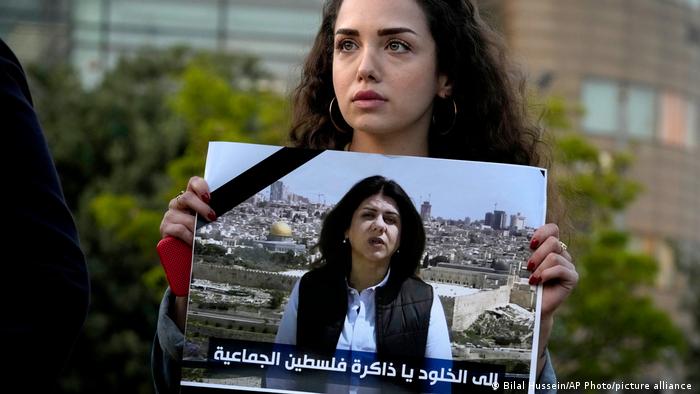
x,y
402,77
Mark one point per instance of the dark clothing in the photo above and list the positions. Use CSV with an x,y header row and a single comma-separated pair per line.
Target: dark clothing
x,y
402,314
166,352
47,288
403,318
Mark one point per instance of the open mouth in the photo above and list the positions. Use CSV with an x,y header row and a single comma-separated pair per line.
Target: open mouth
x,y
376,241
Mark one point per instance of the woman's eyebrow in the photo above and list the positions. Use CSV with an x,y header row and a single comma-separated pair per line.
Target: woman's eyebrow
x,y
387,212
395,30
347,32
381,32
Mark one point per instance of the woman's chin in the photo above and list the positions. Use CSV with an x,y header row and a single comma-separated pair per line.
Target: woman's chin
x,y
373,124
378,257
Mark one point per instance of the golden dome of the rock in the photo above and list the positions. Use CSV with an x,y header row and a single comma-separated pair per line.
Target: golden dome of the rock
x,y
280,229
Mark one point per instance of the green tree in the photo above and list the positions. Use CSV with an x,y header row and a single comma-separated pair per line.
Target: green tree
x,y
609,327
223,104
122,149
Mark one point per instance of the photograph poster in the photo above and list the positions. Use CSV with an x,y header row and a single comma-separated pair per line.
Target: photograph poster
x,y
248,306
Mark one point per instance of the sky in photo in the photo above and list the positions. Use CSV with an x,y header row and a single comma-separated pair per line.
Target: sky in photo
x,y
456,189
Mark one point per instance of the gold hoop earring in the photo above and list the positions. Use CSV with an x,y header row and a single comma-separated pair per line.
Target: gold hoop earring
x,y
454,117
330,113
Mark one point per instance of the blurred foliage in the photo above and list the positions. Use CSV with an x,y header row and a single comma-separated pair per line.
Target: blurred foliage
x,y
221,103
688,262
123,149
609,328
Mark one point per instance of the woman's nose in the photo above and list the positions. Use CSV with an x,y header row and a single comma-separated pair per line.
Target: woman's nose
x,y
368,70
379,225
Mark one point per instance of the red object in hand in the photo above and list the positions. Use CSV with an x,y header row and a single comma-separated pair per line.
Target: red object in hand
x,y
176,258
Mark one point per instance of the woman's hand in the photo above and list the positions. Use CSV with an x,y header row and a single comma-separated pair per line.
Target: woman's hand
x,y
552,266
178,221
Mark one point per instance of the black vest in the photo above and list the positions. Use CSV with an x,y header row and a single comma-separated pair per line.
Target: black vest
x,y
402,314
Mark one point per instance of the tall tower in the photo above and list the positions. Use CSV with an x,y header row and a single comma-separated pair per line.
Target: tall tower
x,y
517,222
499,220
277,191
488,219
425,210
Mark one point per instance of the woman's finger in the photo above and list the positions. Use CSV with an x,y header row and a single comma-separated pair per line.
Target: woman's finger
x,y
565,275
199,187
550,245
181,232
553,260
179,225
558,282
175,217
191,202
542,233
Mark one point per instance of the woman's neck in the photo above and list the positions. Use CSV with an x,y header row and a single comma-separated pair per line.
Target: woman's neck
x,y
364,275
404,144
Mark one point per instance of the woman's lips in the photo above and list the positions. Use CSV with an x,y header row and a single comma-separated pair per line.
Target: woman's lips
x,y
374,241
367,95
368,99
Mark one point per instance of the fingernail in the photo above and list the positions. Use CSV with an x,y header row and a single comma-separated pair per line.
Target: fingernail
x,y
206,198
534,243
534,280
211,215
530,265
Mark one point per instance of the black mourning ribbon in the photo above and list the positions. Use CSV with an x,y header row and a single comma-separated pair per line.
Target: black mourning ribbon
x,y
256,178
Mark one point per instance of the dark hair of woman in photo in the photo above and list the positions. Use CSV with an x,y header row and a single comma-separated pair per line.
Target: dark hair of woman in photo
x,y
334,248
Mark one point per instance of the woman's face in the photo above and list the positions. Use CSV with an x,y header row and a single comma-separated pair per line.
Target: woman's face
x,y
375,230
384,67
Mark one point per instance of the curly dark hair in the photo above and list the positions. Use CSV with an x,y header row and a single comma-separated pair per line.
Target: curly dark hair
x,y
336,253
492,123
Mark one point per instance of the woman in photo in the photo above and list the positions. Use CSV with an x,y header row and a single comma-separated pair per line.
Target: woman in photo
x,y
400,77
365,296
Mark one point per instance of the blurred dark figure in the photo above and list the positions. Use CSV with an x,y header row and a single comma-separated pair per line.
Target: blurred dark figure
x,y
45,285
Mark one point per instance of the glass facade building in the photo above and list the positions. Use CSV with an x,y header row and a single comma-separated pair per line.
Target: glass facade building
x,y
633,66
94,33
37,30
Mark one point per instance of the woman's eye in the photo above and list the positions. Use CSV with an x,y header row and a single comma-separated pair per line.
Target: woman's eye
x,y
397,46
346,45
390,220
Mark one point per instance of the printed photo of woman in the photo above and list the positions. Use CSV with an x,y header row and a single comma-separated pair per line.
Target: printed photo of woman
x,y
365,295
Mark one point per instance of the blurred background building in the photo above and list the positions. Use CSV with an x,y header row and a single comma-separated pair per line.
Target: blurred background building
x,y
92,34
634,67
